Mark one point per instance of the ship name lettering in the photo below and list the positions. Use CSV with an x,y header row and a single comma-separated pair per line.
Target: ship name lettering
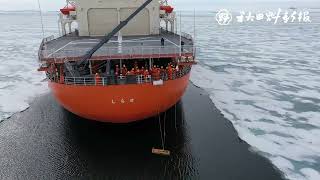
x,y
122,101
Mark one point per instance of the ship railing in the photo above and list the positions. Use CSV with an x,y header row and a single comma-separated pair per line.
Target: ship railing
x,y
125,52
122,80
183,34
47,39
186,35
42,46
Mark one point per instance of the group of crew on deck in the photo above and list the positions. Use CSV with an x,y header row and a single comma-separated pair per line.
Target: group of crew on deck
x,y
156,72
117,75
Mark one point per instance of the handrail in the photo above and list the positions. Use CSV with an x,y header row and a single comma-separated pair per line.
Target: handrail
x,y
41,48
123,52
120,26
186,35
120,80
183,34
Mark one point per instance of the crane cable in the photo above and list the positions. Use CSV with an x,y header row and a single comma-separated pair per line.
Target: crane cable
x,y
162,130
40,12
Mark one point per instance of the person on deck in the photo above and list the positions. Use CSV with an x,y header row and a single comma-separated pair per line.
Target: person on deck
x,y
51,72
132,72
169,71
142,71
61,75
128,73
154,68
124,70
137,71
56,75
153,71
146,75
162,42
157,74
162,73
98,79
136,66
182,46
117,70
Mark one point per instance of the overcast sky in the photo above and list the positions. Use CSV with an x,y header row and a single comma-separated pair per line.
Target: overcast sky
x,y
52,5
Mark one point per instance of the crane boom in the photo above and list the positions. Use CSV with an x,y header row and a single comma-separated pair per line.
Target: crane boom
x,y
107,38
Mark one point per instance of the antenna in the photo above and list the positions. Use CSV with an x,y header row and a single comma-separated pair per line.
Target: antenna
x,y
180,35
194,31
194,26
40,12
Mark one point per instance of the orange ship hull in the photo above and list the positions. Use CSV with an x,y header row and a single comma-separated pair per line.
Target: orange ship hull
x,y
120,103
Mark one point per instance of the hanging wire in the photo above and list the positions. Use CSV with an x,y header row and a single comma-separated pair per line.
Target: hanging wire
x,y
180,36
161,132
175,117
194,26
40,12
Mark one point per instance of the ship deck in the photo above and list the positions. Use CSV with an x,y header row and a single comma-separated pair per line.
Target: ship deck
x,y
73,48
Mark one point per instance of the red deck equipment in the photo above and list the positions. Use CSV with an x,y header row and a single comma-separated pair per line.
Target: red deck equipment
x,y
168,9
67,9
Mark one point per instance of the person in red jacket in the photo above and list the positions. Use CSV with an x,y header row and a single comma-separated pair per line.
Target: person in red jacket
x,y
137,71
142,71
157,73
170,72
61,75
132,72
146,74
136,67
162,73
124,70
117,70
98,79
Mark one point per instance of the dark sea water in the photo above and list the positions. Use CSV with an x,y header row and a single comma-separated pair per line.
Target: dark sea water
x,y
264,78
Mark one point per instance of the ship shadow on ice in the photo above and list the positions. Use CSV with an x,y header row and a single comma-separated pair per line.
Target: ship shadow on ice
x,y
124,150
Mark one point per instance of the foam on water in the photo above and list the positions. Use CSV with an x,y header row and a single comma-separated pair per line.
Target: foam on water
x,y
20,37
265,79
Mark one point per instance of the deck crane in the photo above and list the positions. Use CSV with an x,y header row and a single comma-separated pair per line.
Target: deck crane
x,y
106,39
